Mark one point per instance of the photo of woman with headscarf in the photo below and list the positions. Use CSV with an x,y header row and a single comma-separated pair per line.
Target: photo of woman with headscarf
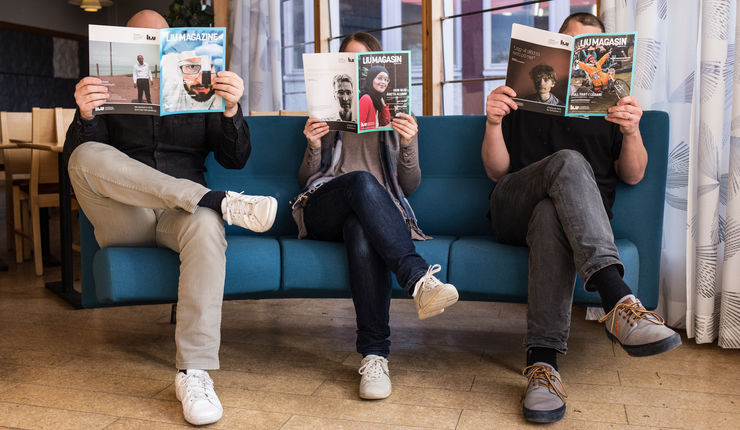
x,y
374,111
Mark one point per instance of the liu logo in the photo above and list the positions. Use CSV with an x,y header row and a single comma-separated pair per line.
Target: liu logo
x,y
148,37
564,43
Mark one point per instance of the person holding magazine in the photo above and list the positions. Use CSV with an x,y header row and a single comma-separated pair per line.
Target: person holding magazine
x,y
555,184
355,188
374,111
140,180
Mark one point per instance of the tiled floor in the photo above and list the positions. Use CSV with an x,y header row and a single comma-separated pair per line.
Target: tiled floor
x,y
290,364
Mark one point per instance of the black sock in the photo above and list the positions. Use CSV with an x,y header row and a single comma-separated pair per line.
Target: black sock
x,y
538,354
182,371
608,282
212,200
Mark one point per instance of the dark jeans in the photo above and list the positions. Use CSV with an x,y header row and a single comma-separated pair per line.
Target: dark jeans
x,y
554,207
356,209
142,85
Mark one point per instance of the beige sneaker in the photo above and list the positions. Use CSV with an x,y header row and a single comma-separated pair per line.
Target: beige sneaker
x,y
256,213
544,399
431,296
376,381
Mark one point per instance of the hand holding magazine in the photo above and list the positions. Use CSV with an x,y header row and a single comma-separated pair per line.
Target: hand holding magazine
x,y
157,72
558,74
357,92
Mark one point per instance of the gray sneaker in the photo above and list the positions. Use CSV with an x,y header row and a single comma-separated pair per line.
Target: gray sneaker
x,y
640,332
544,400
431,296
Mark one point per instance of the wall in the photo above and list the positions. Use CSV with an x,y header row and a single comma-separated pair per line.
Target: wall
x,y
44,59
58,15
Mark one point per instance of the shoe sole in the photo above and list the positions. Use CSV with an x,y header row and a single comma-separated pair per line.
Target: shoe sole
x,y
659,347
375,396
271,213
543,416
444,298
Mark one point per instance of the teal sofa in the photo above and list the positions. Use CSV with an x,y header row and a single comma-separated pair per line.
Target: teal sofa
x,y
451,206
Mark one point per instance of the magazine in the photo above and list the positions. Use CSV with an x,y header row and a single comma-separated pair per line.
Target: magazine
x,y
358,92
157,72
558,74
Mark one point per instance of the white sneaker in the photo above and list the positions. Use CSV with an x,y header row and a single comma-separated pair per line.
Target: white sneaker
x,y
376,382
256,213
200,404
431,296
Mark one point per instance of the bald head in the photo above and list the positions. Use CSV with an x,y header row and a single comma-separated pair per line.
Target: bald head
x,y
147,19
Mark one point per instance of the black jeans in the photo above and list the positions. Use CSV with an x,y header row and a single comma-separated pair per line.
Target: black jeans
x,y
356,209
142,85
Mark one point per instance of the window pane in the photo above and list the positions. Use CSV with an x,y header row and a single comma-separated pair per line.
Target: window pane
x,y
477,46
297,39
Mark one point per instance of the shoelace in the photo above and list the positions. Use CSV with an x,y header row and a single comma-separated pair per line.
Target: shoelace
x,y
198,386
374,368
240,207
428,280
632,312
540,375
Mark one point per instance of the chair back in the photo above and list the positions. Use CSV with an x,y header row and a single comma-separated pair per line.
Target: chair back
x,y
15,126
265,113
44,164
63,118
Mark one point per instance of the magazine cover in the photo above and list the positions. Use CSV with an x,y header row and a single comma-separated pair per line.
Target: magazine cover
x,y
126,59
358,92
601,72
385,88
190,57
557,74
331,85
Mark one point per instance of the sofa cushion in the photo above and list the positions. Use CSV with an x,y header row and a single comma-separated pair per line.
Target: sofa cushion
x,y
322,266
482,268
146,275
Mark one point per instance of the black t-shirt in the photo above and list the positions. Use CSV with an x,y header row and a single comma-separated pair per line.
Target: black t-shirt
x,y
532,136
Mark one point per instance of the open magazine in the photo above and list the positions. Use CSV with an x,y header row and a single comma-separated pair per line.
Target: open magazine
x,y
157,72
562,75
358,92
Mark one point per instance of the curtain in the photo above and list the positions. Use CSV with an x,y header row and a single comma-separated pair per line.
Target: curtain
x,y
685,66
255,55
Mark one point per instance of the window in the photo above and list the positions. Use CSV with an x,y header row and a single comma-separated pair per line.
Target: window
x,y
395,23
487,23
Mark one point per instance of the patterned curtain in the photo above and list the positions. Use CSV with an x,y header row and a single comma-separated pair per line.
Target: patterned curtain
x,y
686,67
254,51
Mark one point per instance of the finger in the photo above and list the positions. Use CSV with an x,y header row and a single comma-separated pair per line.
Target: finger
x,y
503,89
89,80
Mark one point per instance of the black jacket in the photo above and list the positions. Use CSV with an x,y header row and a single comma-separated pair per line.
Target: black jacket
x,y
175,144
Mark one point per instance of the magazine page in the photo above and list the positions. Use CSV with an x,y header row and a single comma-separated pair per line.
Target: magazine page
x,y
601,72
539,62
385,88
190,58
331,84
126,59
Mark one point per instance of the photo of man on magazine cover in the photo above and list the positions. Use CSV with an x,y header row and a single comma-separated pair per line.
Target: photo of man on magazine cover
x,y
533,73
602,71
188,63
344,94
133,83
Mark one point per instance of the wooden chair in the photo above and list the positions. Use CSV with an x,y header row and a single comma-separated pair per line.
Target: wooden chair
x,y
49,128
14,127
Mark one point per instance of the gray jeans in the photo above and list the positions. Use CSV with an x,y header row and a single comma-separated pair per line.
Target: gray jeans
x,y
131,204
554,207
